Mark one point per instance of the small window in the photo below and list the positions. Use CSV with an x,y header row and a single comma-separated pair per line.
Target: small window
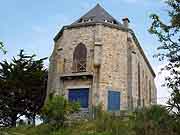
x,y
80,21
90,20
115,22
108,21
105,20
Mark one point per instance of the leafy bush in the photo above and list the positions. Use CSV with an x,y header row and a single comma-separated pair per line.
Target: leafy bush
x,y
56,110
110,124
155,120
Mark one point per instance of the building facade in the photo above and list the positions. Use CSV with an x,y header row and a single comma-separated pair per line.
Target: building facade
x,y
98,60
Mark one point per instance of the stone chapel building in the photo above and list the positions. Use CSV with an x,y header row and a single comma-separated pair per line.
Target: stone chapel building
x,y
98,60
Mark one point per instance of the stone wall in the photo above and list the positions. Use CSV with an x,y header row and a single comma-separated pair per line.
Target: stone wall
x,y
116,54
113,70
63,53
146,81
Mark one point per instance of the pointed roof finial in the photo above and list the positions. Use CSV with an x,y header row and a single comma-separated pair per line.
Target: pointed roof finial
x,y
98,4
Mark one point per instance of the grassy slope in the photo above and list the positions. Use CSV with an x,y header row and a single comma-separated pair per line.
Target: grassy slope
x,y
85,128
95,127
150,121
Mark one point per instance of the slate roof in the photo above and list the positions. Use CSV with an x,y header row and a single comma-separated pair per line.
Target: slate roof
x,y
97,14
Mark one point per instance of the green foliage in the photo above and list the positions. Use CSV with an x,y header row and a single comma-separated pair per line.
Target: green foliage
x,y
155,120
169,36
57,109
109,123
2,47
44,129
22,88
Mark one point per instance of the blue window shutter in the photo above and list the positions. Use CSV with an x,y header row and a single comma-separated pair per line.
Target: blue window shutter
x,y
113,101
79,95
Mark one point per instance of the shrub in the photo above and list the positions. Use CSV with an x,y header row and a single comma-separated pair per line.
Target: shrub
x,y
155,120
110,124
57,109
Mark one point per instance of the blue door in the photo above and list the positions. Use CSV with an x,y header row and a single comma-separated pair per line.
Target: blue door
x,y
79,95
113,101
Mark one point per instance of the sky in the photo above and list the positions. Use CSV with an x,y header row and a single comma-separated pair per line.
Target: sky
x,y
31,25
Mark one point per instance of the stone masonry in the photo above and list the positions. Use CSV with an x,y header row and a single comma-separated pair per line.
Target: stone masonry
x,y
115,61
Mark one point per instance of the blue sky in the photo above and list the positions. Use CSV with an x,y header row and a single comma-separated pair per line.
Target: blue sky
x,y
31,25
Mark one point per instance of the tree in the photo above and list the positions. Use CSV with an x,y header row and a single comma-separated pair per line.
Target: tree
x,y
22,88
2,47
169,50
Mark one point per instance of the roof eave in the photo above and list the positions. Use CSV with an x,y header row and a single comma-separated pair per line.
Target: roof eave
x,y
58,35
142,52
110,25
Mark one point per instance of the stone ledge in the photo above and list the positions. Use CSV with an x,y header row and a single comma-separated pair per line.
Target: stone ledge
x,y
74,75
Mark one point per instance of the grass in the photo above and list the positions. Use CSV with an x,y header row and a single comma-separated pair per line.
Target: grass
x,y
80,128
148,121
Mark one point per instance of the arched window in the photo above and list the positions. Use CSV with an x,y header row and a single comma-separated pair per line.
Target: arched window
x,y
79,58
